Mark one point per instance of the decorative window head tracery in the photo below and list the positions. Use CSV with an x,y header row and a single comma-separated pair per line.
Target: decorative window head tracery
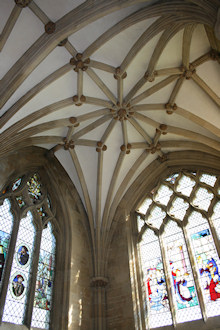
x,y
25,210
179,226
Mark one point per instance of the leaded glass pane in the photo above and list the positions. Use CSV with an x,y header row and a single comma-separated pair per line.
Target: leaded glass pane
x,y
183,287
154,282
44,283
208,179
185,185
163,195
203,199
178,208
207,262
156,217
216,218
20,275
144,207
140,223
6,222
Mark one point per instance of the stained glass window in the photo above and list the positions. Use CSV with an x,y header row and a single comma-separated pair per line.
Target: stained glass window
x,y
177,215
44,283
19,284
20,272
180,272
154,281
16,184
20,201
172,178
6,222
207,262
34,187
41,212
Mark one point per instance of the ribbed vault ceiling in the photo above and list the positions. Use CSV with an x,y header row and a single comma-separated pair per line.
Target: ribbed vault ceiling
x,y
109,86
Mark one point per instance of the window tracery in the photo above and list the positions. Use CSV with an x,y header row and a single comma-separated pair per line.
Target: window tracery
x,y
178,227
27,252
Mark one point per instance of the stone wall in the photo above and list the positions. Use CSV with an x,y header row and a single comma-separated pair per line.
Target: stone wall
x,y
119,304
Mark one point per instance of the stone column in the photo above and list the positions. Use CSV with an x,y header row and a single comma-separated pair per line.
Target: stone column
x,y
99,299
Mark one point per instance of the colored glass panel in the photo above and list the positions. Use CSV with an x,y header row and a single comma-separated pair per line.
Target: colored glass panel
x,y
16,184
41,212
34,187
16,297
6,223
207,262
154,281
20,201
195,195
44,283
172,178
48,202
183,287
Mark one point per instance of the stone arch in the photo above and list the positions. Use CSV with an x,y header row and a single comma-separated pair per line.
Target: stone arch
x,y
70,221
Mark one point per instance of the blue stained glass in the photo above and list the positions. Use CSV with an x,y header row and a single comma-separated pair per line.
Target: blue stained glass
x,y
207,262
16,297
183,287
44,283
172,178
16,184
48,202
154,281
41,212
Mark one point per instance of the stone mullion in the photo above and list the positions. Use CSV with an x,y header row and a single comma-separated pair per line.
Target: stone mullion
x,y
138,270
212,227
192,195
142,294
167,279
11,251
32,282
195,274
133,277
215,237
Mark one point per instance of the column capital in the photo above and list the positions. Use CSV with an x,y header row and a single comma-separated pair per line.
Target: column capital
x,y
99,282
